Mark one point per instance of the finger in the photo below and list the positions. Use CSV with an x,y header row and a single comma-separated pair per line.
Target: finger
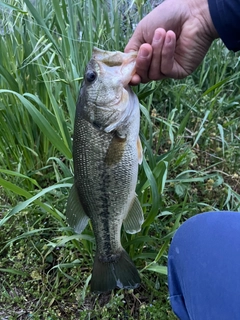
x,y
143,61
157,45
168,50
136,79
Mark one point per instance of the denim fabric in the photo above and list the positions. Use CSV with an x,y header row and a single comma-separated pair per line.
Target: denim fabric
x,y
204,267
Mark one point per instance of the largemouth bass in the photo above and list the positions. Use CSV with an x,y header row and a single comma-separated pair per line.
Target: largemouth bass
x,y
106,154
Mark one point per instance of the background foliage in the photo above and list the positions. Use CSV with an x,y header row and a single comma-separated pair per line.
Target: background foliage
x,y
189,131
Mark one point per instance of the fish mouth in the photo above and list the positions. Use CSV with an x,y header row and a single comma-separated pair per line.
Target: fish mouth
x,y
126,62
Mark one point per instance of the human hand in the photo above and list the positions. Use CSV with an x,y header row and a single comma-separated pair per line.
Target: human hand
x,y
172,40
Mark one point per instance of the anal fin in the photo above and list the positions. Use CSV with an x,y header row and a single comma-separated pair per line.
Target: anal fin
x,y
134,220
75,214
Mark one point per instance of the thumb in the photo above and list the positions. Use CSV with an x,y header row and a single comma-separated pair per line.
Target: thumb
x,y
135,41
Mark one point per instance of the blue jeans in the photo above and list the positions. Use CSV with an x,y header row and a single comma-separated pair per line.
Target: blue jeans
x,y
204,267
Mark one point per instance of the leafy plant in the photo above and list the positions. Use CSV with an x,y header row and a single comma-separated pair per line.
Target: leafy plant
x,y
190,136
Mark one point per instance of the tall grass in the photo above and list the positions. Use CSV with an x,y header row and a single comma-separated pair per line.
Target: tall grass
x,y
189,131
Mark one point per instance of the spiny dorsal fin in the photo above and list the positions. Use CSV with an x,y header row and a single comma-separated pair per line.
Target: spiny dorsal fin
x,y
134,220
76,217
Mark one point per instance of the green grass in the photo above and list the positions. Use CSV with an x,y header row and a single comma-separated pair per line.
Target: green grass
x,y
190,135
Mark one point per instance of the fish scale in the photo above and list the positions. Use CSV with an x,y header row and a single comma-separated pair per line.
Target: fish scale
x,y
106,153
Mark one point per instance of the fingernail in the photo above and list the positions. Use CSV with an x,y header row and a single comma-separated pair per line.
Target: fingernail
x,y
168,38
157,36
144,53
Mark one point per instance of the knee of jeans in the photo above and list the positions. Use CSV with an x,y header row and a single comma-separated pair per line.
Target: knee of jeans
x,y
203,221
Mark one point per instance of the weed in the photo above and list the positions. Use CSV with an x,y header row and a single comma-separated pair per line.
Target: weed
x,y
190,135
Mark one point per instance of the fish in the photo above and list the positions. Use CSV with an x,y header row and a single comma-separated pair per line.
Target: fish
x,y
106,154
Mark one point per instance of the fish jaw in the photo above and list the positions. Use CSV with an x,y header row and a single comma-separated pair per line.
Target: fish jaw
x,y
126,62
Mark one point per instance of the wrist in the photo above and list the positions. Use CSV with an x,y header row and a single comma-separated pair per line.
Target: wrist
x,y
200,9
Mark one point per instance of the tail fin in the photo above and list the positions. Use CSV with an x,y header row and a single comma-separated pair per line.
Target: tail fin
x,y
107,276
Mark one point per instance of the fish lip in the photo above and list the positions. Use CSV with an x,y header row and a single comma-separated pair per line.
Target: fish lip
x,y
112,57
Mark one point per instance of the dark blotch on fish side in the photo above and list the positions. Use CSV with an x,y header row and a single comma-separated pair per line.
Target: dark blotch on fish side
x,y
109,259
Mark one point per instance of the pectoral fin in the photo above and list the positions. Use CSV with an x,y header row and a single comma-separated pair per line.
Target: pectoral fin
x,y
116,149
76,217
134,219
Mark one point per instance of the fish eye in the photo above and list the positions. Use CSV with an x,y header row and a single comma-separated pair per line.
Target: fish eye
x,y
91,76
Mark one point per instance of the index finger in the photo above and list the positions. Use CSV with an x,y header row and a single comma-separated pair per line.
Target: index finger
x,y
143,61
